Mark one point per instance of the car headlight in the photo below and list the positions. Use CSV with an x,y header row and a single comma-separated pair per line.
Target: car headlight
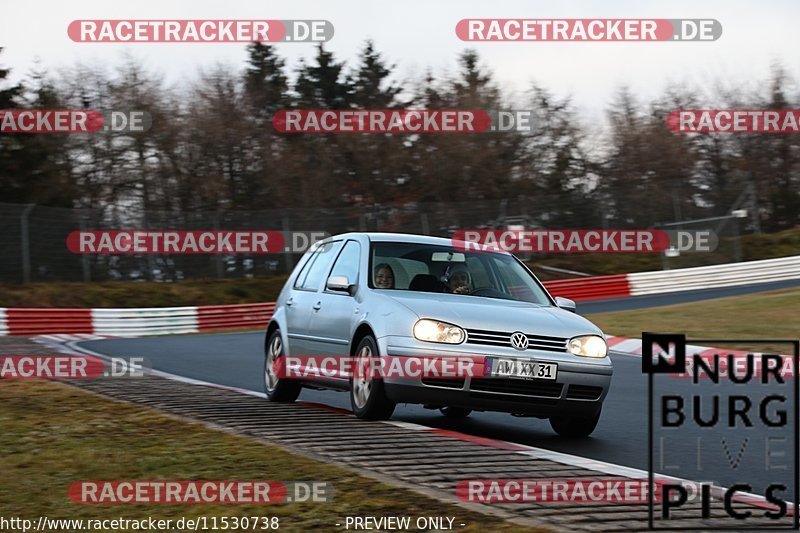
x,y
435,331
588,346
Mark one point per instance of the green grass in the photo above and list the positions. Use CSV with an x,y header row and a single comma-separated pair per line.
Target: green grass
x,y
54,435
774,314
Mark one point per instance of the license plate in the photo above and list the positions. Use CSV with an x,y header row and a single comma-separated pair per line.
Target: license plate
x,y
523,369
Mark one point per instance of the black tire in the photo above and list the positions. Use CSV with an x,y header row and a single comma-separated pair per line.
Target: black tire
x,y
367,395
455,412
279,390
574,427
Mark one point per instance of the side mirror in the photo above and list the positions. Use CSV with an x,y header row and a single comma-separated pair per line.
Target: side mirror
x,y
565,303
340,284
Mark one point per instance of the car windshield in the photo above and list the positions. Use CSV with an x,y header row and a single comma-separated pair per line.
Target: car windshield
x,y
446,269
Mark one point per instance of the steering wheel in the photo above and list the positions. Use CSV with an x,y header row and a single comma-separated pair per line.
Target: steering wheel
x,y
491,292
479,290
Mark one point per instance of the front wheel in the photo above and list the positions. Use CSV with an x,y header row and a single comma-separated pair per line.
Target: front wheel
x,y
367,395
574,427
277,389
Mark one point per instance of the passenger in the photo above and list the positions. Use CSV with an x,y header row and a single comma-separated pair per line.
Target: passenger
x,y
384,277
458,280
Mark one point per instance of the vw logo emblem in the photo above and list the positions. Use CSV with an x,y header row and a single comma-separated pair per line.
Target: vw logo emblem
x,y
519,340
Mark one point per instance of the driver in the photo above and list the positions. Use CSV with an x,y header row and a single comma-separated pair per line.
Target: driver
x,y
459,280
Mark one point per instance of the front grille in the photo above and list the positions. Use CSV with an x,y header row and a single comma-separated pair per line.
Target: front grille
x,y
584,392
525,387
502,338
449,383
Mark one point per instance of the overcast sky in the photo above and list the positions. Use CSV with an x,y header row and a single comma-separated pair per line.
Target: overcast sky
x,y
417,34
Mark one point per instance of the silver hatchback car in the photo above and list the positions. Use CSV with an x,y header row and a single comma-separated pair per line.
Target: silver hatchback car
x,y
374,295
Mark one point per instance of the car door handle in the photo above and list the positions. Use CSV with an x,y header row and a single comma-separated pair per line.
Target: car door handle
x,y
290,302
317,306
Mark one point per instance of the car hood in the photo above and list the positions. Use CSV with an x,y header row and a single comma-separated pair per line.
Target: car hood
x,y
474,312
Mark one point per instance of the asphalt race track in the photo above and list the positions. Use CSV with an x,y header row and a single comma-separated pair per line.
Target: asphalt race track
x,y
236,360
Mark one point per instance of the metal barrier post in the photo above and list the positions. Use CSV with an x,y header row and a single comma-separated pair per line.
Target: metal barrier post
x,y
287,256
87,272
26,249
217,256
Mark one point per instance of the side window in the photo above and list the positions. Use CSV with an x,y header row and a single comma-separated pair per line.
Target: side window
x,y
348,261
403,270
317,267
298,282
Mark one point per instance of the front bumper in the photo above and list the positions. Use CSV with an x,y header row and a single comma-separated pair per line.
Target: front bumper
x,y
580,387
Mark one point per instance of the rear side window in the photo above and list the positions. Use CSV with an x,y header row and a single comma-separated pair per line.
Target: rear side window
x,y
304,270
317,265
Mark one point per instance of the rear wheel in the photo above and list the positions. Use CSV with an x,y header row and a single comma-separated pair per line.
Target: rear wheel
x,y
574,427
367,395
277,389
455,412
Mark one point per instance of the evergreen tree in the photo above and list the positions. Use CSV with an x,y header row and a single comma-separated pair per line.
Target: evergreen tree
x,y
322,83
266,83
371,84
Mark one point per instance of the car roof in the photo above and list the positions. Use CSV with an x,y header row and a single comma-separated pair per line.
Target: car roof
x,y
400,237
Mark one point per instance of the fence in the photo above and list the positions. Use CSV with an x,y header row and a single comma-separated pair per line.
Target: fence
x,y
33,239
169,320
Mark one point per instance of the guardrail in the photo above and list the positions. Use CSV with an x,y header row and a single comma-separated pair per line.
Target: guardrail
x,y
709,277
124,322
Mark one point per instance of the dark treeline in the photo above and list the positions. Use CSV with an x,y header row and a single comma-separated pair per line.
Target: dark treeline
x,y
212,146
